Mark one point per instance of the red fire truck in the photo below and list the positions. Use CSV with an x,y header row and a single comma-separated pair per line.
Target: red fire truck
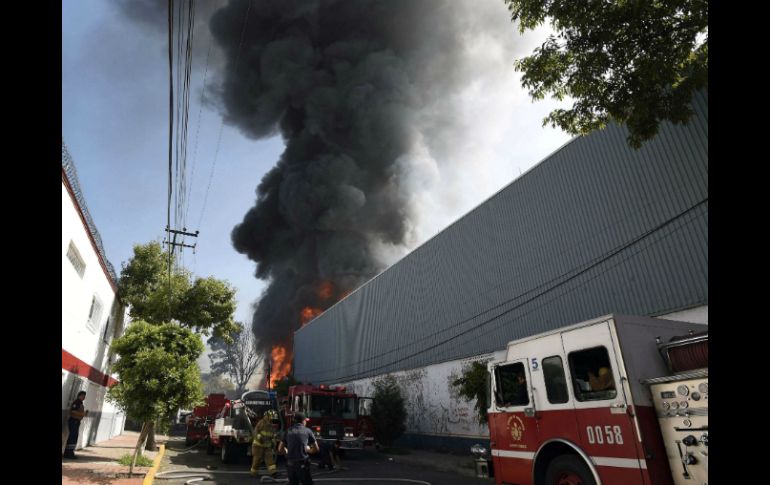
x,y
198,422
334,414
574,406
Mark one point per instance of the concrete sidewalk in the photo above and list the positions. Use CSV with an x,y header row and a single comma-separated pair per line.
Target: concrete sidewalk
x,y
98,464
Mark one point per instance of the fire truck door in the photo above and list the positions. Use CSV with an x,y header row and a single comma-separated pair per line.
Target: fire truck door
x,y
513,425
554,405
606,429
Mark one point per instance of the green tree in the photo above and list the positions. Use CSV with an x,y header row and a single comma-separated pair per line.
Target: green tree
x,y
158,373
388,410
205,305
216,384
637,62
474,384
237,360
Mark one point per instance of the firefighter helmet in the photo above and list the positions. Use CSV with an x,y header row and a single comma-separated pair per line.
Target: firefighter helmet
x,y
271,414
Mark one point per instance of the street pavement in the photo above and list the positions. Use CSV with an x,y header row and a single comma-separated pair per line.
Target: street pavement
x,y
180,465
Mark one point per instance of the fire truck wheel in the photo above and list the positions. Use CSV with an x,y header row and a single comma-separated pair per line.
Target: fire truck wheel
x,y
568,470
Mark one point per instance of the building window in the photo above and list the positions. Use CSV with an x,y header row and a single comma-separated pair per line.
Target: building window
x,y
95,314
592,376
555,382
105,337
77,261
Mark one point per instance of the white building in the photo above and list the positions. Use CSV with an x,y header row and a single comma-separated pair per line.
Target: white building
x,y
92,316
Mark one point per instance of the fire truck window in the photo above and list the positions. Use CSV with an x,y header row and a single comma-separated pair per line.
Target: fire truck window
x,y
345,407
320,406
555,382
511,384
592,377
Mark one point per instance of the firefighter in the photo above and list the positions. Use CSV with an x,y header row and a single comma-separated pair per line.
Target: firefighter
x,y
297,442
264,443
77,412
603,381
520,395
285,411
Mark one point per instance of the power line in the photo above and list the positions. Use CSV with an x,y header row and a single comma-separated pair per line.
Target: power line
x,y
177,167
170,136
198,128
221,126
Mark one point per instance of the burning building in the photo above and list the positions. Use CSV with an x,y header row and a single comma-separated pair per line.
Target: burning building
x,y
595,228
366,96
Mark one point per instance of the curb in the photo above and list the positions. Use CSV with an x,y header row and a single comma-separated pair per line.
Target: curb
x,y
148,479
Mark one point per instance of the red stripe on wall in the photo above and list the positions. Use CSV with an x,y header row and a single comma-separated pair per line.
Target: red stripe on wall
x,y
72,364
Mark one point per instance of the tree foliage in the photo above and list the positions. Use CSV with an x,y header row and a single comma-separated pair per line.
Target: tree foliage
x,y
205,304
217,384
158,370
388,410
637,62
474,384
238,360
158,374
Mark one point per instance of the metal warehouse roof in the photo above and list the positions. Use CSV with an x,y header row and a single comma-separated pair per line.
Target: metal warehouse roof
x,y
595,228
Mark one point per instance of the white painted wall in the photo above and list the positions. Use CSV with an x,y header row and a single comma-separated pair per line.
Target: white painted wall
x,y
84,341
77,293
433,406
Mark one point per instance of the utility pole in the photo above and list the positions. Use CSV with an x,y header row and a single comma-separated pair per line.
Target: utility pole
x,y
269,362
172,246
183,232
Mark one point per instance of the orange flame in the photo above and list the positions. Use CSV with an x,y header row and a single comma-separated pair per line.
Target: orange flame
x,y
281,364
326,290
309,313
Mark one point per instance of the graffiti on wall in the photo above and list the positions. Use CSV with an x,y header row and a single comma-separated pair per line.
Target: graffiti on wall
x,y
433,405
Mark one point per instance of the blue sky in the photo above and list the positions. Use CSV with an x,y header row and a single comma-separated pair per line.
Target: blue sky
x,y
115,125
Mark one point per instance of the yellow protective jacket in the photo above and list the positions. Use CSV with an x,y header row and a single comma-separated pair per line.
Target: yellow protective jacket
x,y
263,433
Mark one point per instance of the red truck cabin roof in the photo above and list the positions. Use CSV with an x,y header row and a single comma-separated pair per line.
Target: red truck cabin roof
x,y
322,390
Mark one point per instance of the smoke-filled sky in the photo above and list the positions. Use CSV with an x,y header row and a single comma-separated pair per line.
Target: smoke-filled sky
x,y
353,131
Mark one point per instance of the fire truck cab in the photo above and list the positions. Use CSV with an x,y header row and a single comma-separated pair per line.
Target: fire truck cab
x,y
198,422
569,406
334,414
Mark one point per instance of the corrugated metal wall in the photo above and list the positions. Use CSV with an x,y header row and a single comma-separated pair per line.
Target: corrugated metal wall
x,y
595,228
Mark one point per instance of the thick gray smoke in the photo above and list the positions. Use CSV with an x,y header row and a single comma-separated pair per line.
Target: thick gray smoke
x,y
363,93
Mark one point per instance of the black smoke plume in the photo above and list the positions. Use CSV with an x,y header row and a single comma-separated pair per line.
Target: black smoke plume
x,y
359,90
